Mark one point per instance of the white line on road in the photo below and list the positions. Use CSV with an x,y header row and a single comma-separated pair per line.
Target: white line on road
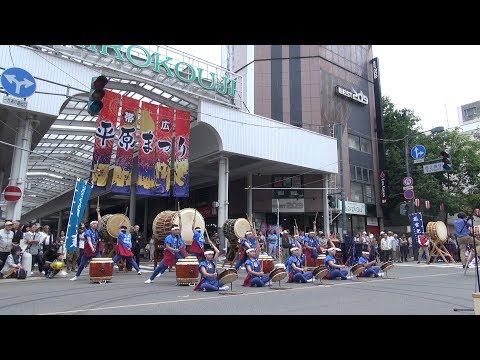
x,y
325,285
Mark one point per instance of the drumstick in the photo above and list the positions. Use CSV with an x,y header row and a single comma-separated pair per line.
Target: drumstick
x,y
98,202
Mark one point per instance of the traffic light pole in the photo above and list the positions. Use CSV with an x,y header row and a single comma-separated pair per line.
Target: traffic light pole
x,y
411,207
342,180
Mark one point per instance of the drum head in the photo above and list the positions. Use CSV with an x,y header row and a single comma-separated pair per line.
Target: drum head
x,y
187,215
278,274
320,272
240,227
114,223
228,276
103,226
442,232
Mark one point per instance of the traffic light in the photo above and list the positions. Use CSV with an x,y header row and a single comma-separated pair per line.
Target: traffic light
x,y
95,99
331,201
447,159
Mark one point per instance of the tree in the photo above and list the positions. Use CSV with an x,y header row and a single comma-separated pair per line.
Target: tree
x,y
458,190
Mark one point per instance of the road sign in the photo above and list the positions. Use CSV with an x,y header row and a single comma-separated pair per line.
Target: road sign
x,y
417,161
433,168
408,194
407,181
12,193
408,187
418,152
18,82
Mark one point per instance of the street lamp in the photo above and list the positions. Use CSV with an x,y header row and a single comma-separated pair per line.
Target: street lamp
x,y
435,130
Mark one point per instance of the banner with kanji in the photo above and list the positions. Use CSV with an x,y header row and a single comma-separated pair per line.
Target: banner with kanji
x,y
181,186
122,172
146,182
79,204
164,134
104,137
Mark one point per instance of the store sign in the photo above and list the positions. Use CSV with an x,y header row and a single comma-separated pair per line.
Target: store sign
x,y
353,95
383,186
353,208
288,205
183,71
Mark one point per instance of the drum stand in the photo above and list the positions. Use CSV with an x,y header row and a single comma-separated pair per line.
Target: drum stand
x,y
438,249
232,250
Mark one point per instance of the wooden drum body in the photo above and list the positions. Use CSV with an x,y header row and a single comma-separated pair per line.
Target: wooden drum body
x,y
235,229
320,260
386,266
101,269
267,263
187,271
110,225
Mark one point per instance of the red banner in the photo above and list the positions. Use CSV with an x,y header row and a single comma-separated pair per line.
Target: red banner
x,y
182,151
146,183
164,133
104,136
122,172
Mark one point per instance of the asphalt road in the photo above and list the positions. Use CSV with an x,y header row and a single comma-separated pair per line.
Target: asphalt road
x,y
409,289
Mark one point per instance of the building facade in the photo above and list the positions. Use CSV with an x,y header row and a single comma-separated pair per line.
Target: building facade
x,y
314,87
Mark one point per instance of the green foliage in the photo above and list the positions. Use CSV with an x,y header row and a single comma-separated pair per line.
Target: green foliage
x,y
458,190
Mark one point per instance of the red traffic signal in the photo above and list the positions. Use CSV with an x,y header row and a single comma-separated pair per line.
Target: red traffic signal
x,y
97,93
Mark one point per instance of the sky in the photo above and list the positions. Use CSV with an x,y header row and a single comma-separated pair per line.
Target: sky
x,y
431,80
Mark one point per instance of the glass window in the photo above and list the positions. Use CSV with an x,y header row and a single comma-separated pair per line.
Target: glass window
x,y
365,146
356,191
352,172
371,179
365,175
369,194
353,142
359,173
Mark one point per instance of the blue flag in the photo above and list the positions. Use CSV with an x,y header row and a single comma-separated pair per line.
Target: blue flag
x,y
416,224
79,203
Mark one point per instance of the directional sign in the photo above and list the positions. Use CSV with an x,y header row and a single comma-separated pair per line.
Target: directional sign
x,y
408,188
18,82
12,193
433,168
418,152
408,194
407,181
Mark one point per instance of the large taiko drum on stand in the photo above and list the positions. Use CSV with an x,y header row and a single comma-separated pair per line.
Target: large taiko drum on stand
x,y
437,231
187,271
267,263
110,226
101,269
235,229
185,217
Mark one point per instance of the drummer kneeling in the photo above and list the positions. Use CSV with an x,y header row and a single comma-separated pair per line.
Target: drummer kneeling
x,y
370,268
207,269
335,270
295,271
256,276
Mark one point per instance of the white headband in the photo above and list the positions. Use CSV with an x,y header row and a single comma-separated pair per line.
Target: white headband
x,y
175,228
248,232
294,248
250,249
208,252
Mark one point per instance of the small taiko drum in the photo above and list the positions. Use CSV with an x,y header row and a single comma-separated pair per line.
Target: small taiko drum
x,y
320,261
101,269
187,271
386,266
228,276
267,263
357,269
320,272
279,273
437,231
235,229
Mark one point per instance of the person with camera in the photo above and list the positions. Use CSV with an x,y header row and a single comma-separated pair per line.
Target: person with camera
x,y
463,229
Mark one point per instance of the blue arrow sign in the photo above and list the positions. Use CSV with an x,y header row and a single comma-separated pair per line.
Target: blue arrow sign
x,y
18,82
418,152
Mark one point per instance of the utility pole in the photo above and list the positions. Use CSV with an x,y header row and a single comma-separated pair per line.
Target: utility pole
x,y
411,207
342,180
